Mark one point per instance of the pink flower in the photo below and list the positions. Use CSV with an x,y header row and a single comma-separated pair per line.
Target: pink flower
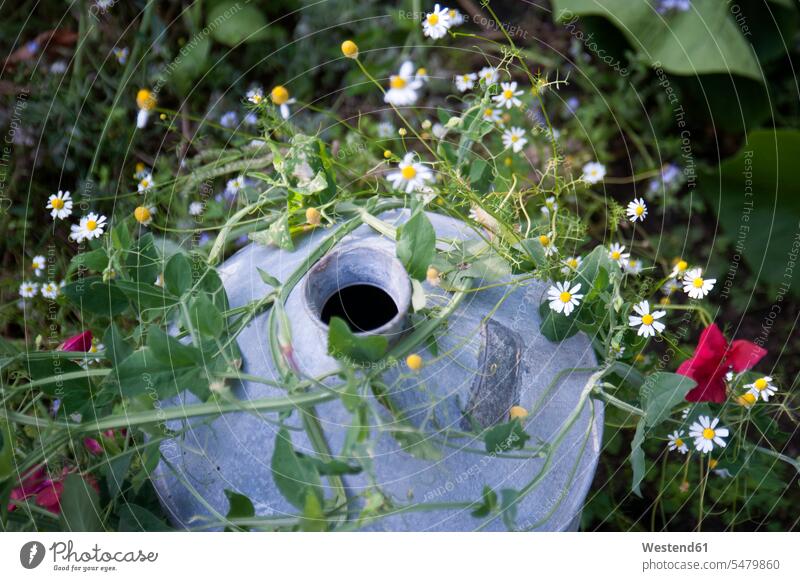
x,y
80,342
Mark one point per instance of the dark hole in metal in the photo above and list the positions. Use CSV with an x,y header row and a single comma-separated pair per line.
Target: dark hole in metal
x,y
363,307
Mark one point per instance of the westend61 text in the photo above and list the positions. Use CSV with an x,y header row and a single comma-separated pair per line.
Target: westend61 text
x,y
671,548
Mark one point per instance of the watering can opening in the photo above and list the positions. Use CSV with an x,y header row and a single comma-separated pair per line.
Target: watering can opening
x,y
366,287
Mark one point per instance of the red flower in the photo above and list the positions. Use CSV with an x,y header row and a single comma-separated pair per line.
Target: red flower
x,y
712,359
45,491
81,342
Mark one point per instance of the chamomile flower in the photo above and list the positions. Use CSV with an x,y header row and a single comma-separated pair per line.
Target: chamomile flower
x,y
546,240
195,208
550,205
695,285
564,299
632,266
670,287
676,442
436,23
422,75
439,131
235,185
50,290
488,75
571,264
484,218
617,254
508,96
637,210
28,289
90,226
706,433
679,267
466,81
60,205
593,172
515,139
37,264
146,101
144,214
493,115
647,322
456,18
403,86
762,387
146,183
255,95
412,175
280,97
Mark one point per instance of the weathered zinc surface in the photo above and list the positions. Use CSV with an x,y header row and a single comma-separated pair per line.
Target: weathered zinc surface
x,y
484,367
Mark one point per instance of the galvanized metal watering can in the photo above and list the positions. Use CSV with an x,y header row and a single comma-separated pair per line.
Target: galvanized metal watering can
x,y
491,356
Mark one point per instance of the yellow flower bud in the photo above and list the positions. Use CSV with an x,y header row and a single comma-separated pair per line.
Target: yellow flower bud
x,y
313,216
517,412
142,214
402,132
350,49
145,99
387,154
432,276
414,362
279,95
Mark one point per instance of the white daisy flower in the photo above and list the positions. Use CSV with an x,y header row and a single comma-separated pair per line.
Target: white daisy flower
x,y
411,176
50,290
488,75
515,139
385,129
60,205
255,95
491,114
695,285
646,321
484,218
28,289
235,185
564,299
550,205
37,264
465,82
195,208
508,96
422,75
546,240
91,226
706,433
676,442
593,172
637,210
762,387
632,266
146,182
571,264
144,214
617,254
670,287
280,98
403,86
456,18
679,268
146,101
436,23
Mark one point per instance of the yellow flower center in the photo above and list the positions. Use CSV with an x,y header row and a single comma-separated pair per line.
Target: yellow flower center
x,y
465,78
433,19
545,240
488,113
616,255
761,384
632,263
572,263
57,203
408,172
142,214
682,265
679,442
664,301
145,99
422,71
397,82
91,225
647,319
565,297
517,412
639,210
708,434
280,95
748,399
514,138
414,362
349,49
698,282
508,93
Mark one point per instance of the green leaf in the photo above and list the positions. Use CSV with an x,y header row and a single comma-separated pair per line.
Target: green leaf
x,y
532,253
134,518
6,451
205,316
351,348
95,296
661,392
504,437
178,274
239,506
555,326
416,245
637,458
80,506
416,442
331,467
117,348
294,476
488,504
74,393
147,296
232,23
143,261
96,260
705,39
115,471
268,278
278,234
313,516
508,507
